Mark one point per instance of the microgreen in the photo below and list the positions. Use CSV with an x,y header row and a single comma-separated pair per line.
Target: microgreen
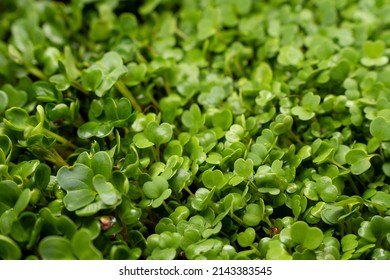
x,y
194,130
103,74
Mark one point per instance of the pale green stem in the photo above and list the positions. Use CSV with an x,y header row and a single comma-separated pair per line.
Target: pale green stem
x,y
40,75
56,158
126,93
255,250
154,101
79,87
181,34
294,137
166,207
167,87
189,191
37,73
59,138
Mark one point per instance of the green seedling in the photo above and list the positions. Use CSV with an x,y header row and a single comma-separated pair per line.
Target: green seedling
x,y
194,130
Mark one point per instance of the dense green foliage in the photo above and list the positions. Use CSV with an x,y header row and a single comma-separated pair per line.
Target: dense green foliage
x,y
212,129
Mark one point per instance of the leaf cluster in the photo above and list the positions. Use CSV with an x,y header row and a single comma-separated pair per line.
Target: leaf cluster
x,y
216,129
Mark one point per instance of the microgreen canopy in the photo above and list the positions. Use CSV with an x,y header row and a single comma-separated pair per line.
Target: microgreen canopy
x,y
233,129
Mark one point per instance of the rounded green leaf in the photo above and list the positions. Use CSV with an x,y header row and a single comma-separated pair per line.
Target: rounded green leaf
x,y
127,212
246,238
205,29
302,113
158,134
91,208
359,161
180,213
16,98
83,247
9,249
123,252
7,219
77,181
374,49
253,214
155,188
380,128
76,199
141,141
277,252
16,118
201,198
23,201
332,213
349,242
309,237
56,248
45,92
106,191
282,124
91,129
380,254
193,118
325,188
158,201
22,228
135,74
42,176
340,71
290,55
60,81
76,177
386,168
381,198
222,119
377,228
243,167
101,163
163,254
3,101
9,194
213,178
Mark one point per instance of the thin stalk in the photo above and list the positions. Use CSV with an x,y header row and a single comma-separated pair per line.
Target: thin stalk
x,y
189,191
48,154
121,87
293,136
153,100
152,51
59,138
167,86
55,158
248,148
181,34
40,75
141,58
79,87
166,207
339,165
239,67
266,219
124,232
342,228
157,155
354,187
253,186
37,73
349,226
255,250
237,219
246,188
